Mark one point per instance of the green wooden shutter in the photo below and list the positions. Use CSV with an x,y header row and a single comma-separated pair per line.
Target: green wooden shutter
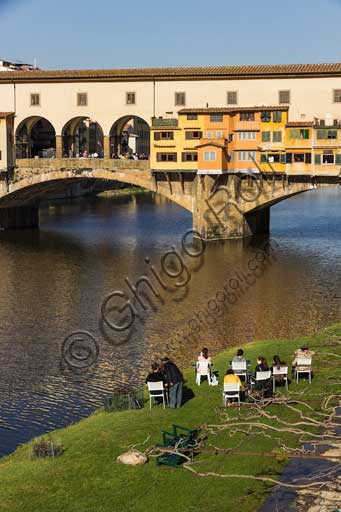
x,y
338,159
318,159
282,158
156,135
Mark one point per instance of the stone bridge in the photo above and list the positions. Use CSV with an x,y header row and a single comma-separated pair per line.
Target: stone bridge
x,y
224,206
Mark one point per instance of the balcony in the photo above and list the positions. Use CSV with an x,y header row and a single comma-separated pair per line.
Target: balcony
x,y
242,126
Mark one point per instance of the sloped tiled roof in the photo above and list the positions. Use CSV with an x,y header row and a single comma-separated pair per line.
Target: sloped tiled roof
x,y
299,123
176,73
229,110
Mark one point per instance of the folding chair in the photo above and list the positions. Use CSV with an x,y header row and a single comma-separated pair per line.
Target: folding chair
x,y
203,370
260,377
283,372
240,368
303,365
231,390
159,391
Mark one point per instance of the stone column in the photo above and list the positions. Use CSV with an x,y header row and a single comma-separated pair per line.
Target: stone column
x,y
219,210
106,146
19,217
59,146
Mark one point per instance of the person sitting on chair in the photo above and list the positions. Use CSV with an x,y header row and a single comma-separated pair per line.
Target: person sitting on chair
x,y
204,357
302,353
231,378
155,376
262,385
277,363
239,357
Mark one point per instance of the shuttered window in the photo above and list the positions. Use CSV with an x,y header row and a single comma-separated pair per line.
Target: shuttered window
x,y
266,136
317,159
35,100
284,97
166,157
232,97
338,159
180,99
277,116
82,99
163,135
276,136
337,95
189,135
216,118
189,157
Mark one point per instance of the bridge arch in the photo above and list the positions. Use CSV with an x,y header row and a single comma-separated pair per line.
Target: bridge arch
x,y
82,136
35,136
130,134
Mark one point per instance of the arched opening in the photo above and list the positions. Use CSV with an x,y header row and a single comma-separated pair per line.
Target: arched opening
x,y
82,137
35,137
130,138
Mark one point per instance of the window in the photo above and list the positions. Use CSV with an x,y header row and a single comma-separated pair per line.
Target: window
x,y
328,159
265,117
82,99
246,156
209,135
284,97
232,97
35,100
318,159
180,99
247,116
189,157
130,98
266,136
277,116
246,135
273,158
193,135
163,135
230,137
192,117
299,134
308,158
166,157
326,134
337,159
337,95
216,118
0,155
289,158
276,136
299,157
210,156
219,134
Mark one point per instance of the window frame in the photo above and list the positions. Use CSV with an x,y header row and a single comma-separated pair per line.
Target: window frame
x,y
177,95
32,102
133,96
81,95
275,134
281,92
209,159
250,116
336,95
216,118
193,154
235,93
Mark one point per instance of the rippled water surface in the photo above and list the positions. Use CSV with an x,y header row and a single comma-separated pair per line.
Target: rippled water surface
x,y
53,282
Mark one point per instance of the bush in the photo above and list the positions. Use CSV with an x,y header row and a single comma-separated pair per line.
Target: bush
x,y
46,448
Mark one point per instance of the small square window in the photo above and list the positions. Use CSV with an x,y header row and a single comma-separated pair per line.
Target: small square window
x,y
216,118
232,97
192,117
35,100
82,99
284,97
130,98
180,99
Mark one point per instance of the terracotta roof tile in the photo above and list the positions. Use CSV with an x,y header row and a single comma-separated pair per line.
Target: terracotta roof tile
x,y
176,73
299,123
229,110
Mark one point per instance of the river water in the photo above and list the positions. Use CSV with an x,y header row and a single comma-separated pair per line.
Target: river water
x,y
53,282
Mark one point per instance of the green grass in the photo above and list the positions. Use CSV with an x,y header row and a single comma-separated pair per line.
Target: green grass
x,y
87,477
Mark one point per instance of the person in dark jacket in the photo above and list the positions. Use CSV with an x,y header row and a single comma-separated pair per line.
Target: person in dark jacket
x,y
155,376
174,381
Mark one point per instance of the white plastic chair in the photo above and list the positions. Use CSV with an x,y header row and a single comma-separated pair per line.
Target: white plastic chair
x,y
231,390
303,365
203,370
240,368
283,372
261,376
158,392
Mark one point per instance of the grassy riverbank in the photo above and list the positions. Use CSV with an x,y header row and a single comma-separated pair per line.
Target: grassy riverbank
x,y
87,478
126,191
